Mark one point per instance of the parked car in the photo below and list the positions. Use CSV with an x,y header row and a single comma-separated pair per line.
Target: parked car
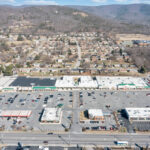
x,y
51,96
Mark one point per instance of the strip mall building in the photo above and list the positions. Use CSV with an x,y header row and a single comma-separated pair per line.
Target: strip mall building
x,y
73,83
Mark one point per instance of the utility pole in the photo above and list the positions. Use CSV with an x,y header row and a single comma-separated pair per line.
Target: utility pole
x,y
147,146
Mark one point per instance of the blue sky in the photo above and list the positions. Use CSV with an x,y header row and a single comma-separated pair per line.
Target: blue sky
x,y
71,2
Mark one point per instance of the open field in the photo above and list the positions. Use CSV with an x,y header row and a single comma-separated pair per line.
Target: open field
x,y
130,37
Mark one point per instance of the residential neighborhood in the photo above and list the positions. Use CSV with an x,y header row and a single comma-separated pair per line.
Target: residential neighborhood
x,y
87,53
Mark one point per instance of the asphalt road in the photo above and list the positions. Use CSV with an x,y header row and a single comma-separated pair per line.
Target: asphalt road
x,y
79,55
73,139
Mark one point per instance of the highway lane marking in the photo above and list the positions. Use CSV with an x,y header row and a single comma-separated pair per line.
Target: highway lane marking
x,y
67,139
72,136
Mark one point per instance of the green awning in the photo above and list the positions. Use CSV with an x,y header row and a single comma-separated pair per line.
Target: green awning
x,y
123,84
8,88
43,87
147,87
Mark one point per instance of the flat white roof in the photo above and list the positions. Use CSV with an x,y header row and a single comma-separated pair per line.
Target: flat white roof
x,y
138,112
95,113
113,82
65,81
51,114
87,81
6,81
76,81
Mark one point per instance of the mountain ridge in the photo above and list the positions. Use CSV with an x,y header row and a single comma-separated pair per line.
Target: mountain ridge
x,y
130,13
46,19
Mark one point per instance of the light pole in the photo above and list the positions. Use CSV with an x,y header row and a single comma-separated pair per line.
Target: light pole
x,y
130,140
69,137
69,134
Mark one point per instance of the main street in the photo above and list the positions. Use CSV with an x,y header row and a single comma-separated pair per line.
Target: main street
x,y
73,139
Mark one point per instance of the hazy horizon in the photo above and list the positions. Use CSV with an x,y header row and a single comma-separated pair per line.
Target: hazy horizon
x,y
73,2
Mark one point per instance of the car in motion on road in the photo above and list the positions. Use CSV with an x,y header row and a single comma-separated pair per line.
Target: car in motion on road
x,y
45,142
51,133
121,143
148,94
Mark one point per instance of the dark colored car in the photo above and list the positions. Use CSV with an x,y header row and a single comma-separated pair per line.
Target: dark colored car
x,y
51,133
51,96
45,142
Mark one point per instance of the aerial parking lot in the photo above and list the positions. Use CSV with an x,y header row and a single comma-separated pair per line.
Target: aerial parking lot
x,y
114,100
35,102
111,102
71,103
